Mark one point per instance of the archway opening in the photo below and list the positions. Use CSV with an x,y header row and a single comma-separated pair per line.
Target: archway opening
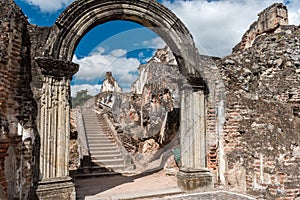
x,y
138,104
149,88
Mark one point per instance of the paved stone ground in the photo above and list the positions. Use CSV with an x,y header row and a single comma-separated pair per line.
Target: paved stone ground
x,y
148,186
125,187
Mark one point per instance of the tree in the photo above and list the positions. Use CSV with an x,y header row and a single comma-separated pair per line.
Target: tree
x,y
80,98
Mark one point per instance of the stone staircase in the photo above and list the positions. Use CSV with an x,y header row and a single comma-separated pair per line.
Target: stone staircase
x,y
105,153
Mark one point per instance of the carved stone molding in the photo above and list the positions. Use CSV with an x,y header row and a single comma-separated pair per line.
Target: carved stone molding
x,y
57,68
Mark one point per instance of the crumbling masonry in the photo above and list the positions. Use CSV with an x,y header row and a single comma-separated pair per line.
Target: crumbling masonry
x,y
246,105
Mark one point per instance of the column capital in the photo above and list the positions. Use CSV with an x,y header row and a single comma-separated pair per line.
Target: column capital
x,y
57,68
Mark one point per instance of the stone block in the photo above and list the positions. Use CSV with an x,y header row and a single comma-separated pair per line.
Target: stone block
x,y
191,180
56,188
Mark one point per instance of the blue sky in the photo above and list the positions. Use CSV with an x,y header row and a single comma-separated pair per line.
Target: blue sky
x,y
120,46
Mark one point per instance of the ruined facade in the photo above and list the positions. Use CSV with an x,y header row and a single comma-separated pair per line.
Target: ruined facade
x,y
268,21
247,110
261,132
17,107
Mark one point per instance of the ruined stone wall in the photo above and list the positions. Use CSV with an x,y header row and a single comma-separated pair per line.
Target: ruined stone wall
x,y
17,108
268,21
262,127
38,36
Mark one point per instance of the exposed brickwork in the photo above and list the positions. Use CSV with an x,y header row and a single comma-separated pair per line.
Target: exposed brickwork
x,y
212,162
16,103
261,133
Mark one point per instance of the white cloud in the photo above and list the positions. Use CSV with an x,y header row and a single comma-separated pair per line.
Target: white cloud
x,y
49,6
155,43
118,52
294,12
92,89
217,26
95,66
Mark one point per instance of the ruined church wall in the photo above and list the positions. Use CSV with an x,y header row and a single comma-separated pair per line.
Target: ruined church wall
x,y
17,108
262,117
268,20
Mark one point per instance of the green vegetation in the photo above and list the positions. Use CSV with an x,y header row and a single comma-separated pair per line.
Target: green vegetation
x,y
80,98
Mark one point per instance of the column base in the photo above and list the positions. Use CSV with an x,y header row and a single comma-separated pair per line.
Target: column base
x,y
56,188
192,180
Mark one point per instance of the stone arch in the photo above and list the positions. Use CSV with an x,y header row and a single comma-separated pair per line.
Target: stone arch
x,y
83,15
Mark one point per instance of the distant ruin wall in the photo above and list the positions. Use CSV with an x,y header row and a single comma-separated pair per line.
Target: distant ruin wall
x,y
268,21
17,108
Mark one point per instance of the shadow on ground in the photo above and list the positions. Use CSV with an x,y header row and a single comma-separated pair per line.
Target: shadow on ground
x,y
95,185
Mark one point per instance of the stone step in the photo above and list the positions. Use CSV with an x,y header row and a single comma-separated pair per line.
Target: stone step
x,y
117,167
101,142
95,132
92,127
93,169
105,130
97,168
90,121
99,138
107,157
101,148
108,162
104,149
102,145
89,117
99,135
115,152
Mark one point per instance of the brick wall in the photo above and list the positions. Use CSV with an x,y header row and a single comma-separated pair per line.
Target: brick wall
x,y
17,108
262,127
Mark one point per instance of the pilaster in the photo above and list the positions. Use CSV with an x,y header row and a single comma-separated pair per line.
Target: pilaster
x,y
54,129
193,174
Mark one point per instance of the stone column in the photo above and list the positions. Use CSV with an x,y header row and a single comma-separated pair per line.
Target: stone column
x,y
193,174
54,130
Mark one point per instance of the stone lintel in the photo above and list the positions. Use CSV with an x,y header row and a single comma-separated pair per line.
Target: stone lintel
x,y
195,180
57,68
192,83
56,188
